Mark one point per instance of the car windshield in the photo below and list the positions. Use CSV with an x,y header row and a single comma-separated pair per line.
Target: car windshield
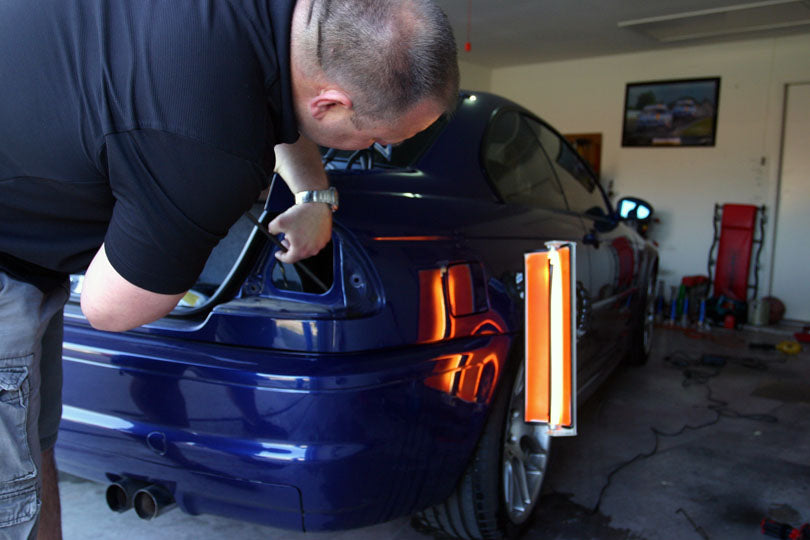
x,y
400,156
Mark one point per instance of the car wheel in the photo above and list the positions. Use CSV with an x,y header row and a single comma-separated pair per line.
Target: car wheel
x,y
642,339
501,486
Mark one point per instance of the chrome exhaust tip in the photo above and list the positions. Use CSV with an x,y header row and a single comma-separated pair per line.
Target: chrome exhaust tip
x,y
152,501
120,494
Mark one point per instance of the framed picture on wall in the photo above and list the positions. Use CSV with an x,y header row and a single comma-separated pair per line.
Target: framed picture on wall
x,y
671,113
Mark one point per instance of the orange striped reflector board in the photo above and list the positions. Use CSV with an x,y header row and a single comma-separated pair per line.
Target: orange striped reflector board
x,y
550,374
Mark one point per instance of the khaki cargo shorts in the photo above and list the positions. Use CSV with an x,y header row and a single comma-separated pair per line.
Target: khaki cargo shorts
x,y
30,397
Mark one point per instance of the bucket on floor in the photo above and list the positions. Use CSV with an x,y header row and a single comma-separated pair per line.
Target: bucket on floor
x,y
758,312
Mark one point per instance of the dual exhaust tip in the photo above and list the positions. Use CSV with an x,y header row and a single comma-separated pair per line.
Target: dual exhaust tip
x,y
149,500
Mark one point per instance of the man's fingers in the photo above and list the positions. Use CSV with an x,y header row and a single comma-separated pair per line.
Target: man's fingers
x,y
286,256
295,252
306,229
289,256
277,225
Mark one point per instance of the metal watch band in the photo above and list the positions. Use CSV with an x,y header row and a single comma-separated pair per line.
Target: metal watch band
x,y
328,196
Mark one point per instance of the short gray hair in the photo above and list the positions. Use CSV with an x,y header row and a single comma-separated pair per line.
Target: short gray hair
x,y
391,54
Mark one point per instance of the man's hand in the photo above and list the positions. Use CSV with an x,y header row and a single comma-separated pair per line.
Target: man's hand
x,y
307,229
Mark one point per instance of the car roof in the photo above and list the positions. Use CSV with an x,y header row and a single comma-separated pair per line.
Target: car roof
x,y
451,162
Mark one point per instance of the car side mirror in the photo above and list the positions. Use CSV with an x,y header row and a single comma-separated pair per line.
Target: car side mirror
x,y
631,208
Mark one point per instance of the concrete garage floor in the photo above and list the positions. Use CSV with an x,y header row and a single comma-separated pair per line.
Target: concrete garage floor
x,y
671,450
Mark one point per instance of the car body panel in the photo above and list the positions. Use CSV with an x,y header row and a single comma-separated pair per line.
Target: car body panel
x,y
276,419
323,411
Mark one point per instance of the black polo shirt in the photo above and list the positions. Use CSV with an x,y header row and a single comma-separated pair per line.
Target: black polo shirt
x,y
148,125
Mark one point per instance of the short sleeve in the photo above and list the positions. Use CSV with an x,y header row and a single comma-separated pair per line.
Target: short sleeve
x,y
175,198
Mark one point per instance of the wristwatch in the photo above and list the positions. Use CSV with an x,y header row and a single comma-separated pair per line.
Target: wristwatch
x,y
328,196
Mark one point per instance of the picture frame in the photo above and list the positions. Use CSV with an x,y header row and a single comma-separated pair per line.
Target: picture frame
x,y
676,113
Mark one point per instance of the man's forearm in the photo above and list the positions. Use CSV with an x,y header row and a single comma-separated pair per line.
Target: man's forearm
x,y
300,165
306,227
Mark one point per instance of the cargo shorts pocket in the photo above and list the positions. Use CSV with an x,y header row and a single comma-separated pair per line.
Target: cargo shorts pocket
x,y
17,463
18,507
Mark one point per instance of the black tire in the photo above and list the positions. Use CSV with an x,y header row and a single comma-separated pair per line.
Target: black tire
x,y
644,327
480,507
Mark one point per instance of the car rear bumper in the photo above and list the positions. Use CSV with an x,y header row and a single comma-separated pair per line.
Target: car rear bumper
x,y
292,440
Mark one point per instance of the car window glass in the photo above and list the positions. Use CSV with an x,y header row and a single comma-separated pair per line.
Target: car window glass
x,y
517,166
578,184
401,155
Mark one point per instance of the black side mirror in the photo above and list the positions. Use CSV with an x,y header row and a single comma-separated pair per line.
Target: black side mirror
x,y
631,208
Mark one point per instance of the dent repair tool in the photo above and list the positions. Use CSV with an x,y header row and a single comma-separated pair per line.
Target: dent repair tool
x,y
775,529
273,238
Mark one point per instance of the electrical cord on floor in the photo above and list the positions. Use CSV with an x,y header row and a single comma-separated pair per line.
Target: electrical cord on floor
x,y
698,528
695,371
643,455
721,338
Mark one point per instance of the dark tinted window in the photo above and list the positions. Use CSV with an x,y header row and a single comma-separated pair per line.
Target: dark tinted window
x,y
517,166
580,188
402,155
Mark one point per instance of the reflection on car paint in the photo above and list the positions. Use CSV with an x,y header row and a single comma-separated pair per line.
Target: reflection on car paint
x,y
624,252
470,376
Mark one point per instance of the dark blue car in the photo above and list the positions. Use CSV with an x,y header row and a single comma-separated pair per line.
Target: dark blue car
x,y
398,389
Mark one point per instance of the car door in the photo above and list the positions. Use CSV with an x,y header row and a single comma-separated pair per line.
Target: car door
x,y
535,210
610,250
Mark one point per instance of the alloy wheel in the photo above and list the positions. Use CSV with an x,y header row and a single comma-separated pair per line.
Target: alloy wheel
x,y
525,457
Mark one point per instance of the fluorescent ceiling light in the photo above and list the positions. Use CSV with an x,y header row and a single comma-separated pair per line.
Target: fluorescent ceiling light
x,y
736,19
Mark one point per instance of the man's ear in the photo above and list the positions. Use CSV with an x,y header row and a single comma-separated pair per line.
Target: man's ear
x,y
326,100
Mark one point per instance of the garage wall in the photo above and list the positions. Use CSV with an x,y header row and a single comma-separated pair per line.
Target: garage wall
x,y
475,77
683,184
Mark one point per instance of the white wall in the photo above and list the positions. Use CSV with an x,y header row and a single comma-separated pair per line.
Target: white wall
x,y
474,77
683,184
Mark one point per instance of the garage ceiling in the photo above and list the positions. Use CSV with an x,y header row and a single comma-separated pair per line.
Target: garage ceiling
x,y
513,32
